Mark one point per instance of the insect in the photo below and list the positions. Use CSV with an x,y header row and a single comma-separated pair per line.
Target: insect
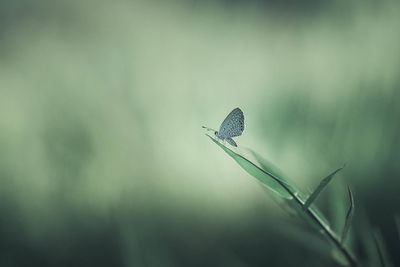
x,y
232,126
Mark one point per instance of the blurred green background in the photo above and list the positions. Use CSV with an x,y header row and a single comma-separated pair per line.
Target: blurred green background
x,y
103,161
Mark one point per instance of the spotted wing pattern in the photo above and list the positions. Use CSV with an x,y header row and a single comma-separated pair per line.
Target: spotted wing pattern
x,y
233,125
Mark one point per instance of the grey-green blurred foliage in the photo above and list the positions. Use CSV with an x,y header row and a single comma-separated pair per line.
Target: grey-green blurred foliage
x,y
102,157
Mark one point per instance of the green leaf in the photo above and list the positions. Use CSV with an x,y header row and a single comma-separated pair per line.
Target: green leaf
x,y
295,206
267,165
267,178
349,216
324,182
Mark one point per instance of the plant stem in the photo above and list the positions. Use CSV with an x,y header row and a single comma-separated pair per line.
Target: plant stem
x,y
327,231
332,236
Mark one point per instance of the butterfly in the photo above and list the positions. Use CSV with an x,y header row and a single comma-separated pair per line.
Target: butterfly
x,y
232,126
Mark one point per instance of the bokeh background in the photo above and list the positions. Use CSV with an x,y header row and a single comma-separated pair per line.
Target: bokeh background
x,y
103,161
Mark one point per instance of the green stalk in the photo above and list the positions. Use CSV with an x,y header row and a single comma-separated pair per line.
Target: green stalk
x,y
287,191
329,233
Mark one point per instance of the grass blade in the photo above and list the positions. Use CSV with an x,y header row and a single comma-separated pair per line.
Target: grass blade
x,y
349,216
268,179
267,165
324,182
292,196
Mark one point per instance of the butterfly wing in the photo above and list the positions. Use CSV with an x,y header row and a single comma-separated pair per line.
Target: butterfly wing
x,y
231,142
233,125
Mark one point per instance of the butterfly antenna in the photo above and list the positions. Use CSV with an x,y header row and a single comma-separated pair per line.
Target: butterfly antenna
x,y
208,129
